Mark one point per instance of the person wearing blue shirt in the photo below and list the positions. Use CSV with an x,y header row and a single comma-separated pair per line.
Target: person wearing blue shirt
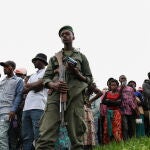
x,y
11,88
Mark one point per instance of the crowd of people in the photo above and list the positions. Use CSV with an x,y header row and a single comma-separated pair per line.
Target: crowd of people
x,y
59,107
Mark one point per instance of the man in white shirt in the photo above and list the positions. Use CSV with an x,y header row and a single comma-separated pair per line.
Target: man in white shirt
x,y
34,102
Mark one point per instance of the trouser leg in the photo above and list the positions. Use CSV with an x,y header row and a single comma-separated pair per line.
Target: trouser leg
x,y
4,126
131,126
124,127
27,131
48,131
76,125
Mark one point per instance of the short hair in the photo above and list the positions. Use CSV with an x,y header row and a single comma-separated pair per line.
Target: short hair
x,y
108,81
132,82
122,76
114,80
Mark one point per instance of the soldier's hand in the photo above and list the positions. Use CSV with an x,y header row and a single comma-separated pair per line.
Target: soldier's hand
x,y
72,68
56,70
59,86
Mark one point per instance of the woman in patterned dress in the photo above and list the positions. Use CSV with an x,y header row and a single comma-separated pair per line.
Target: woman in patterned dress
x,y
90,137
112,126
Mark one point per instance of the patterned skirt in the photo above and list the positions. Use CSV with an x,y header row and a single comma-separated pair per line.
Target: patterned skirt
x,y
89,136
112,126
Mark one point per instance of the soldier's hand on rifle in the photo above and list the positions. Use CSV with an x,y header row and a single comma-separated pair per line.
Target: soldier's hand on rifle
x,y
56,70
59,86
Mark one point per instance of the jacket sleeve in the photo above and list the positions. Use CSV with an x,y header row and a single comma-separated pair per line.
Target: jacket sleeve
x,y
18,95
146,89
49,73
86,71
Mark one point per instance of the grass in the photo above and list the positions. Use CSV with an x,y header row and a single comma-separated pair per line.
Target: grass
x,y
132,144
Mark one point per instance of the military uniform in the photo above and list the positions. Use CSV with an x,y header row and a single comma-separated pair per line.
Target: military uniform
x,y
49,125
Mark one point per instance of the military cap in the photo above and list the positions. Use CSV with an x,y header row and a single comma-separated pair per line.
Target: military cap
x,y
66,28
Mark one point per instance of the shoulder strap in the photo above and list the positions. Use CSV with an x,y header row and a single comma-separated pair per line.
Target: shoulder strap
x,y
63,96
59,57
62,68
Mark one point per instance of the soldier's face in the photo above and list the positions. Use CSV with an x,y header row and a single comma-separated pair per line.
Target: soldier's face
x,y
66,36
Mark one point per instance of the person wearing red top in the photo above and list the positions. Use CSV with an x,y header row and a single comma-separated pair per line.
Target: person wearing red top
x,y
112,120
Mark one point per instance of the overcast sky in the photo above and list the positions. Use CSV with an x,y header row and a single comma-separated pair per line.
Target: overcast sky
x,y
113,34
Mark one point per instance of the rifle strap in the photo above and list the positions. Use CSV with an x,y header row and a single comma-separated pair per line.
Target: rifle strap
x,y
61,68
59,57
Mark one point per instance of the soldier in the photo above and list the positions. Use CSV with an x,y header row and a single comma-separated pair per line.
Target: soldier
x,y
78,77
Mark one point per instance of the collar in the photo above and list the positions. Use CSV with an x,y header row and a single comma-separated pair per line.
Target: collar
x,y
40,70
74,50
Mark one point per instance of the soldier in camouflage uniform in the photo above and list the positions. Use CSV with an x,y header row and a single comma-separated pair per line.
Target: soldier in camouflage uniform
x,y
77,79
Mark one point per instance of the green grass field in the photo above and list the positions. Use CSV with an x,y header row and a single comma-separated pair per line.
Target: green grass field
x,y
132,144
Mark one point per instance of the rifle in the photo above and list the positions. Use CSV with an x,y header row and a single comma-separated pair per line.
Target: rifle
x,y
63,96
63,141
